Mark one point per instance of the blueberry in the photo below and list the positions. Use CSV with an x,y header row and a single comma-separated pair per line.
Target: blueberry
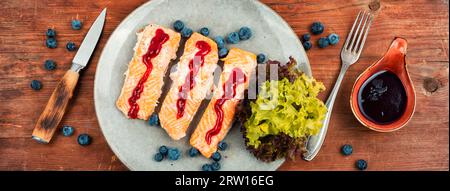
x,y
186,32
233,38
51,43
84,139
222,146
49,65
223,52
71,46
333,38
317,28
261,58
76,24
173,153
215,166
207,167
178,25
323,42
361,164
50,33
245,33
220,42
307,45
163,150
67,131
346,149
306,37
153,120
216,156
158,157
193,152
204,31
36,84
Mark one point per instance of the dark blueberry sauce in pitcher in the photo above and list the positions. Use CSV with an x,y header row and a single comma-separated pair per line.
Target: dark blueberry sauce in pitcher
x,y
382,98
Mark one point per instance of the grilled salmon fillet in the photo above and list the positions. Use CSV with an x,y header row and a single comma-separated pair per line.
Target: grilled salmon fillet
x,y
192,81
156,46
218,117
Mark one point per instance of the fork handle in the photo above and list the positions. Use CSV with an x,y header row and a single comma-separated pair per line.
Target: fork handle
x,y
315,142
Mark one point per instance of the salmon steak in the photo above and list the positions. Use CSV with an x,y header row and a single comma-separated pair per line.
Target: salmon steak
x,y
156,46
192,81
217,119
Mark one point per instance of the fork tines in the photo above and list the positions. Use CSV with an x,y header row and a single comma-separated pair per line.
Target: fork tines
x,y
355,45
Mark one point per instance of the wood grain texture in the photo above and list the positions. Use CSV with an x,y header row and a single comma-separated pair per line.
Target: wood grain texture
x,y
422,145
54,111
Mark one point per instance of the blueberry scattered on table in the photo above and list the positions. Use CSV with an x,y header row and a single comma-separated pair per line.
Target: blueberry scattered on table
x,y
50,33
67,131
215,166
163,150
317,28
193,152
153,120
220,42
186,32
223,52
173,154
207,167
51,43
245,33
84,139
361,164
216,156
323,42
158,157
76,24
36,85
261,58
178,25
333,38
204,31
307,45
49,65
71,46
233,38
347,149
222,145
306,37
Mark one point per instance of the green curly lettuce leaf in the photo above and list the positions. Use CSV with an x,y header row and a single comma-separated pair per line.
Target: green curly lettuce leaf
x,y
289,108
271,142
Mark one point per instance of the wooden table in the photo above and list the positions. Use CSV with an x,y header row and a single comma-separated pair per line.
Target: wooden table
x,y
422,145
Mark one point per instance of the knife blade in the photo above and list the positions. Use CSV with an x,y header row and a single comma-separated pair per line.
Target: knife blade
x,y
57,104
90,41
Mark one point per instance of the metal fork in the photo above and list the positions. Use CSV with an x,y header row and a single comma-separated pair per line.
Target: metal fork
x,y
349,55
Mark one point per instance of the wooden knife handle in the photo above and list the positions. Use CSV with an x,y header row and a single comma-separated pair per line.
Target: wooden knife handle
x,y
56,106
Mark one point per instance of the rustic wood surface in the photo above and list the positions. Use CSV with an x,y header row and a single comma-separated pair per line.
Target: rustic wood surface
x,y
422,145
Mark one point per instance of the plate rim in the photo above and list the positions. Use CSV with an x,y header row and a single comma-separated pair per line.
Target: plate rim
x,y
109,41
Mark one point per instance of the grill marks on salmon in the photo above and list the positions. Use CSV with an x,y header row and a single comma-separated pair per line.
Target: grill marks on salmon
x,y
147,99
192,81
208,133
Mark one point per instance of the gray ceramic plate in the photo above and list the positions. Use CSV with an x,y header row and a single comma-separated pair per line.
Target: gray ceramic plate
x,y
134,141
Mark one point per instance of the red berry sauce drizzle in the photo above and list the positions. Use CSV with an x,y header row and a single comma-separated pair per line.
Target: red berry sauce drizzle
x,y
189,83
236,77
153,50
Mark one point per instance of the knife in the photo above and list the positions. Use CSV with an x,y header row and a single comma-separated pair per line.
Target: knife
x,y
56,106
